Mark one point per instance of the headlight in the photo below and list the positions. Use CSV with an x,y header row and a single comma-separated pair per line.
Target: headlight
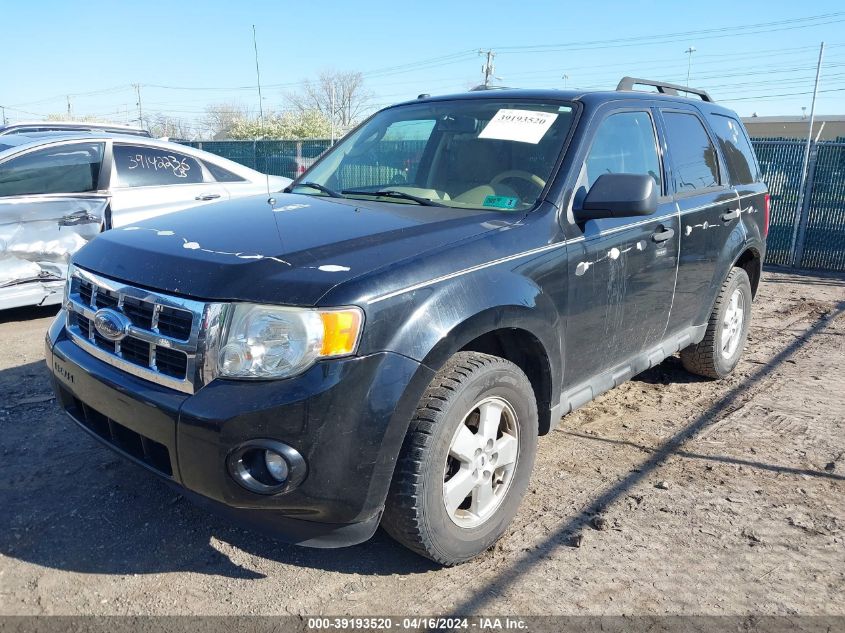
x,y
276,342
68,282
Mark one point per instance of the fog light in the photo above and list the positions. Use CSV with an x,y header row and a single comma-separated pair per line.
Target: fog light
x,y
266,466
276,465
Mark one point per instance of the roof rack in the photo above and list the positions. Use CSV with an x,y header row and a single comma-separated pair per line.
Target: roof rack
x,y
628,83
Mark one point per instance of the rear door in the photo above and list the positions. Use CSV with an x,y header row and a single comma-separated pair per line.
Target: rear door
x,y
708,208
149,181
51,204
744,171
623,273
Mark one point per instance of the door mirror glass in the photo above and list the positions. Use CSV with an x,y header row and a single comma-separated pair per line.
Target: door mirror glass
x,y
619,196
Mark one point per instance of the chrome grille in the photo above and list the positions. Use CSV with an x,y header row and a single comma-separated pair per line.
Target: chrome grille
x,y
163,343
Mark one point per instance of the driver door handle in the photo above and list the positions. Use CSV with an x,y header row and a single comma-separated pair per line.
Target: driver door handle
x,y
663,234
207,196
727,216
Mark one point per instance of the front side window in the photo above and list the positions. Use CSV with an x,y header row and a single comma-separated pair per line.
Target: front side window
x,y
693,155
148,166
736,149
71,168
624,144
476,153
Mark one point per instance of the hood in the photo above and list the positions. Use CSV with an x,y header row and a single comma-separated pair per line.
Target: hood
x,y
291,253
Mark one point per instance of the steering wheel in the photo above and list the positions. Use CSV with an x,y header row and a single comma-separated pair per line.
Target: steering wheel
x,y
522,175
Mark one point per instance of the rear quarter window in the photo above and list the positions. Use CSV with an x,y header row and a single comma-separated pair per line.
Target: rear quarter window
x,y
742,164
147,166
222,175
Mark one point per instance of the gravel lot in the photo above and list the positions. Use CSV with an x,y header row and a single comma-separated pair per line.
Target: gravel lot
x,y
669,495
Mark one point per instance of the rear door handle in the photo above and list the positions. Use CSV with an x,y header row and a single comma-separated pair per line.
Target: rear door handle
x,y
207,196
663,234
727,216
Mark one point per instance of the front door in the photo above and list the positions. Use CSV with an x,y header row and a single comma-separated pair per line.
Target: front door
x,y
622,274
50,206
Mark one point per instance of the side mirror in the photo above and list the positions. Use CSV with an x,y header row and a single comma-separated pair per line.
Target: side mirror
x,y
619,196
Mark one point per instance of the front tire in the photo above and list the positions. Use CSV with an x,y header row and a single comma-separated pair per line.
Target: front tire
x,y
466,459
719,351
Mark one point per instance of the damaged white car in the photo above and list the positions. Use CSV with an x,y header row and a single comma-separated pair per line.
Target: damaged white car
x,y
59,190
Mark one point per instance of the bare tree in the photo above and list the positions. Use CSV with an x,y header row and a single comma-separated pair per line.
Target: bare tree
x,y
339,96
220,119
171,127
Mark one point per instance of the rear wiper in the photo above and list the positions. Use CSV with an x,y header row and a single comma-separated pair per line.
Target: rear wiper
x,y
390,193
314,185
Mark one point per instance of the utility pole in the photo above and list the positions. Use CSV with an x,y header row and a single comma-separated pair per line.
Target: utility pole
x,y
69,109
140,110
799,212
689,52
3,109
487,69
565,78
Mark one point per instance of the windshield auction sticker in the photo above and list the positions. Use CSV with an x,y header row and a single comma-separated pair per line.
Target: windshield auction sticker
x,y
525,126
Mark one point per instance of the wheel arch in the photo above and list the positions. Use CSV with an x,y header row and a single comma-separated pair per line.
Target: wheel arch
x,y
515,334
751,261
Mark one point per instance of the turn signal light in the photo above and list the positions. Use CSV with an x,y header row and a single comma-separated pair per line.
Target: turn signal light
x,y
340,331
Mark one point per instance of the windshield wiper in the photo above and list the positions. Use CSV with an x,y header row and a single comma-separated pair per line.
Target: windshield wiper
x,y
390,193
314,185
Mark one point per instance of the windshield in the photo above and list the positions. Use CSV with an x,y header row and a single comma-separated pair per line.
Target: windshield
x,y
474,153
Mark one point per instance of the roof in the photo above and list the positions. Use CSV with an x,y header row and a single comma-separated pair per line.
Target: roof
x,y
825,127
586,96
33,139
74,125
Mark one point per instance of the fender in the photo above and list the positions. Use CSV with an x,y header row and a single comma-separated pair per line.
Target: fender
x,y
429,325
739,241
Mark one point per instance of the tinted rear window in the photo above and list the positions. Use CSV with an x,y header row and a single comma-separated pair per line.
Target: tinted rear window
x,y
736,149
693,155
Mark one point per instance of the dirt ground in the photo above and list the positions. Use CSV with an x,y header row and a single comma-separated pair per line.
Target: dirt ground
x,y
669,495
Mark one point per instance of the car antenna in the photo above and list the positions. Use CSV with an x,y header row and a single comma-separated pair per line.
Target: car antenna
x,y
270,200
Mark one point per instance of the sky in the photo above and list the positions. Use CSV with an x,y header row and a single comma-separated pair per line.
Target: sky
x,y
753,56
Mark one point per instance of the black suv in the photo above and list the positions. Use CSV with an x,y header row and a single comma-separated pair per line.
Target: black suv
x,y
384,342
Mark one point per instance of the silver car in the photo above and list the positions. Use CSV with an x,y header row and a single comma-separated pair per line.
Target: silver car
x,y
59,190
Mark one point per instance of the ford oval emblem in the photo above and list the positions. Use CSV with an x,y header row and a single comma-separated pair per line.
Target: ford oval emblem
x,y
111,325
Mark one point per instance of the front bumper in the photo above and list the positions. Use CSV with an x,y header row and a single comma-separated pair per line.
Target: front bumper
x,y
347,418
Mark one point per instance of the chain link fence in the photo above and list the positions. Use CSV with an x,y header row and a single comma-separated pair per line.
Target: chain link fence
x,y
820,236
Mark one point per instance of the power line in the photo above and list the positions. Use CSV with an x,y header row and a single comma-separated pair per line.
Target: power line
x,y
726,31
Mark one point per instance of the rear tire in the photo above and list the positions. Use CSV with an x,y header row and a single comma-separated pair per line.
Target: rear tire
x,y
719,351
466,459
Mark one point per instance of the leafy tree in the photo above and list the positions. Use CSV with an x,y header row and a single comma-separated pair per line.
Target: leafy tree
x,y
289,126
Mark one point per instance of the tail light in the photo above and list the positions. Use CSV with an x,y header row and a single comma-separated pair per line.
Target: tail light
x,y
301,169
768,203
